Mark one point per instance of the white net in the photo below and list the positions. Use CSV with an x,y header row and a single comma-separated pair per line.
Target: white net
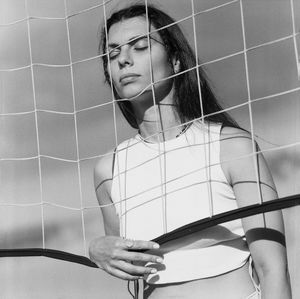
x,y
58,117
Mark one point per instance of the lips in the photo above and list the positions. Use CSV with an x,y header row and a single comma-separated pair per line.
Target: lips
x,y
129,77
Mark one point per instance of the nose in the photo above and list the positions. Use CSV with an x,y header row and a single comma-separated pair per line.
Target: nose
x,y
125,57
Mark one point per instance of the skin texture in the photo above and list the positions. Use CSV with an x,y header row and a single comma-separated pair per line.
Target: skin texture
x,y
129,54
116,255
240,166
128,59
112,253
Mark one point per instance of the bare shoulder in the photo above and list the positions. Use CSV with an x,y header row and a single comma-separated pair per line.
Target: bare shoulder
x,y
236,151
103,168
103,175
235,142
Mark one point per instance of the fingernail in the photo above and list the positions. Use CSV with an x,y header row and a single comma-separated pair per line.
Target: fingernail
x,y
159,260
129,243
156,246
153,270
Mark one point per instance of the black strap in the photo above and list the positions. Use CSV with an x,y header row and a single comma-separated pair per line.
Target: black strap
x,y
269,206
51,253
273,205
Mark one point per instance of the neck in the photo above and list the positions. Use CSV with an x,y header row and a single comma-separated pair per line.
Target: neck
x,y
158,121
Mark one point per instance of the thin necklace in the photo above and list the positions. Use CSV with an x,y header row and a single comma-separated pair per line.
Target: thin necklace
x,y
184,129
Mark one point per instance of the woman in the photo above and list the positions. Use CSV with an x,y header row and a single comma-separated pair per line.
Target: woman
x,y
179,168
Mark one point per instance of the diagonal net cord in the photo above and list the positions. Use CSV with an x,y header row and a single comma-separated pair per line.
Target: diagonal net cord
x,y
295,38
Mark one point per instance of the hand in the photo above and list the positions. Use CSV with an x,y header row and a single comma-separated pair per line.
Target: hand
x,y
116,255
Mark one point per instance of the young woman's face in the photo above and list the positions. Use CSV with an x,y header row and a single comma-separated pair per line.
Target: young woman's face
x,y
130,61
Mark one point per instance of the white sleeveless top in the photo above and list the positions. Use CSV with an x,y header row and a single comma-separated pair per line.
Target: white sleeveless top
x,y
158,187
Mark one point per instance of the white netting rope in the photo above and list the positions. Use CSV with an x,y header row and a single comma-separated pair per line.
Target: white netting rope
x,y
275,95
37,130
162,156
292,36
114,114
255,157
76,134
247,102
295,33
284,147
206,153
192,16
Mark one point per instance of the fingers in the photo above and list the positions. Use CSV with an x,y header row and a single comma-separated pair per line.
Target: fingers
x,y
121,274
140,245
131,251
116,256
138,257
130,269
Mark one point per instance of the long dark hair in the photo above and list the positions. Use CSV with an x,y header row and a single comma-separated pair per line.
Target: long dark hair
x,y
187,98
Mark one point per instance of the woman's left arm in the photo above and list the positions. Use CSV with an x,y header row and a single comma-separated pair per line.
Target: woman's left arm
x,y
252,183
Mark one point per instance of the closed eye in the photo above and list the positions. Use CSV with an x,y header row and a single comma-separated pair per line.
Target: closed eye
x,y
141,44
138,44
114,53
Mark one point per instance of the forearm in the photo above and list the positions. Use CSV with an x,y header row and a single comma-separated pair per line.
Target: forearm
x,y
275,286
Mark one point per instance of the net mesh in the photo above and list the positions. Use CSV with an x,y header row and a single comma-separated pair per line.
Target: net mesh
x,y
58,117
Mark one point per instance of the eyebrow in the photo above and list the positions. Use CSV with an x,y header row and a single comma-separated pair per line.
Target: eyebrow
x,y
134,38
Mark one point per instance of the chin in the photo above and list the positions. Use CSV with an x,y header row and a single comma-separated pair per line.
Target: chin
x,y
130,92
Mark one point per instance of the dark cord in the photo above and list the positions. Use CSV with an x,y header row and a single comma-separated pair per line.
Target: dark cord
x,y
251,210
128,288
136,289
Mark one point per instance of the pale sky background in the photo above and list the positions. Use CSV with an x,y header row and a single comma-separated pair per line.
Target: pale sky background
x,y
272,69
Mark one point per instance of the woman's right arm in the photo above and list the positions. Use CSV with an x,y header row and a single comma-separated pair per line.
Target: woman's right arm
x,y
113,253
